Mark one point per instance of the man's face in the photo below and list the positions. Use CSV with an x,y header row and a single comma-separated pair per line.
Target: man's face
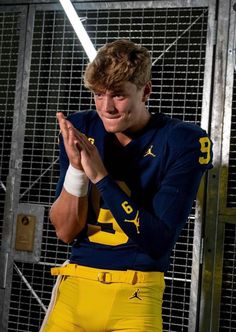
x,y
122,110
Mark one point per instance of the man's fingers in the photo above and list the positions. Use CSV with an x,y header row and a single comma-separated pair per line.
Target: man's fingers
x,y
61,120
60,116
83,143
72,136
67,130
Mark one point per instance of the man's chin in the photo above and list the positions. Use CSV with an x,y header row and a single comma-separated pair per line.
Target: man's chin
x,y
113,129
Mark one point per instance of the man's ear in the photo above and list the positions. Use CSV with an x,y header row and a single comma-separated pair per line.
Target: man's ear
x,y
147,91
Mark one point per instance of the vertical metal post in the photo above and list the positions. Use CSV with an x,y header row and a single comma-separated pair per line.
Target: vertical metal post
x,y
200,206
13,180
213,231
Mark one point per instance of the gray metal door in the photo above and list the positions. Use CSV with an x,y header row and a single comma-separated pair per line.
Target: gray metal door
x,y
218,292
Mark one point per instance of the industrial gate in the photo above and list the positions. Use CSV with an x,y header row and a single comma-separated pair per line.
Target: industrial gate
x,y
41,69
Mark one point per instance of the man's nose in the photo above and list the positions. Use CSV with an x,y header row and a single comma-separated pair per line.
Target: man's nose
x,y
108,104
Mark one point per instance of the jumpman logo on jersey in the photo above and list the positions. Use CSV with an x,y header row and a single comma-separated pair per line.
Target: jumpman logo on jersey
x,y
149,152
135,221
135,295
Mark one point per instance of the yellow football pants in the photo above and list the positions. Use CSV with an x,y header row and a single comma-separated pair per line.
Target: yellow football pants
x,y
94,300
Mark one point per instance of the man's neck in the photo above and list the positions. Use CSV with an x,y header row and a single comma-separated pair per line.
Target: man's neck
x,y
126,137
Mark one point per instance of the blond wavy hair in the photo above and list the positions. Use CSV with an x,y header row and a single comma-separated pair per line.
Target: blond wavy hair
x,y
118,62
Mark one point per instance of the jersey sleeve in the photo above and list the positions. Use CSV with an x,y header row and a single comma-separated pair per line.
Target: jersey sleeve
x,y
156,232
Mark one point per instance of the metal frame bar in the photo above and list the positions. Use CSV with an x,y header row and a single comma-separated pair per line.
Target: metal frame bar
x,y
231,55
12,187
85,4
226,215
200,208
214,231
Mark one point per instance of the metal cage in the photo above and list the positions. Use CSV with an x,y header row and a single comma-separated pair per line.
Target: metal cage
x,y
41,72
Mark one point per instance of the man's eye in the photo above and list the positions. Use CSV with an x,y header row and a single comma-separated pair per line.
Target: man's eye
x,y
119,97
98,95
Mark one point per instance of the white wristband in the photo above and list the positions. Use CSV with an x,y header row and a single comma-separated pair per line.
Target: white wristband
x,y
76,182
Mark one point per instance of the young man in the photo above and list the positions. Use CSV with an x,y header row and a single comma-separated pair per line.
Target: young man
x,y
127,183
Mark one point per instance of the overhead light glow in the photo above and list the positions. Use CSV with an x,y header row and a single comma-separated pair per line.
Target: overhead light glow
x,y
79,29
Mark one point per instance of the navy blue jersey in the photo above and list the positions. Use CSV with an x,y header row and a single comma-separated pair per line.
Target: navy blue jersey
x,y
137,212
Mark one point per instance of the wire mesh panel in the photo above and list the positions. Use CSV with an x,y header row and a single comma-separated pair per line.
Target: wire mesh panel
x,y
178,282
228,293
228,296
231,192
224,292
176,39
25,313
9,44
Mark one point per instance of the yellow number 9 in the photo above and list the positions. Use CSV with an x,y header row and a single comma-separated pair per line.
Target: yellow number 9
x,y
205,149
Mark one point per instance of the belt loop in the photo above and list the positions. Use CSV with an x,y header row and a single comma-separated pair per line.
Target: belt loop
x,y
55,271
104,277
131,277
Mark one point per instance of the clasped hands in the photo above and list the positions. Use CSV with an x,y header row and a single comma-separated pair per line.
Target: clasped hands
x,y
81,153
